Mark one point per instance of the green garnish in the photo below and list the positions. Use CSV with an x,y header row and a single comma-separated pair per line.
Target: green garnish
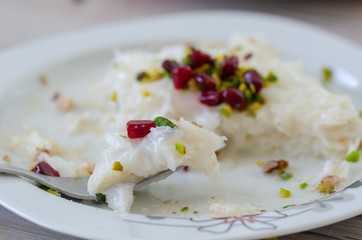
x,y
100,197
117,166
248,95
185,209
161,121
115,64
52,191
353,157
284,175
238,47
291,205
226,110
271,77
327,74
180,148
114,97
187,60
303,185
284,193
259,98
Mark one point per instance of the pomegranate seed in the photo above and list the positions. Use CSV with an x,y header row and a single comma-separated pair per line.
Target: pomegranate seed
x,y
229,65
45,169
185,169
181,76
235,98
253,77
199,58
169,65
211,98
206,82
139,128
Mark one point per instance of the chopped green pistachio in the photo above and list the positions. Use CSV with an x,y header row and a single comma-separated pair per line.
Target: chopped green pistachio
x,y
226,110
161,121
271,77
115,64
290,205
185,209
360,113
252,88
52,191
258,162
167,74
353,157
117,166
284,193
236,81
327,74
248,95
180,148
209,70
100,197
303,185
284,175
259,98
114,97
187,60
238,47
322,189
255,107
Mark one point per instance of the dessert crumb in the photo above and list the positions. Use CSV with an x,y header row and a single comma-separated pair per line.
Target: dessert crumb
x,y
7,159
43,80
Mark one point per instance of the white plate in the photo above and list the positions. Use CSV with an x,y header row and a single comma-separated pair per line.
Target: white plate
x,y
295,40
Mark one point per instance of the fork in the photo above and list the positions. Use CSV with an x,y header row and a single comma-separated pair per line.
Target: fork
x,y
75,187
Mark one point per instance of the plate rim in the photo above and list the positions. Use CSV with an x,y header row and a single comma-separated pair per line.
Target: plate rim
x,y
65,37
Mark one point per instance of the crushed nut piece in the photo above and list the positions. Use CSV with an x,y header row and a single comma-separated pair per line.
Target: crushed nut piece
x,y
196,124
7,159
330,181
248,56
270,166
196,212
91,167
43,80
63,102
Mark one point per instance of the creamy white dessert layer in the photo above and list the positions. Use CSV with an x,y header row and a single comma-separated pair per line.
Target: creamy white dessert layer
x,y
143,157
299,117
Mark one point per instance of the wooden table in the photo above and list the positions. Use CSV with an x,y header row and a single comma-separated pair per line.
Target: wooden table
x,y
24,20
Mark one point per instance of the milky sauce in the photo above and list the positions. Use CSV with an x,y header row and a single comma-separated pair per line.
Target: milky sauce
x,y
300,122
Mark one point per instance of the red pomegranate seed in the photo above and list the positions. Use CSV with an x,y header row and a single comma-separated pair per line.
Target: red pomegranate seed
x,y
229,65
181,76
211,98
206,82
235,98
199,58
169,65
139,128
185,169
253,77
45,169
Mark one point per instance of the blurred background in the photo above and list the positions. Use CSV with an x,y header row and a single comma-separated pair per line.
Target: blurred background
x,y
24,20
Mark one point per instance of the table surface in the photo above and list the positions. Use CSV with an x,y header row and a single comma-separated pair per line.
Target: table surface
x,y
24,20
